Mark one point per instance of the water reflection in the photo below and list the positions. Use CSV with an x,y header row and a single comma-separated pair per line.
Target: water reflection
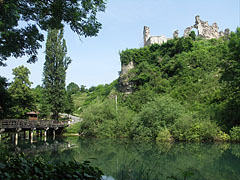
x,y
34,145
127,160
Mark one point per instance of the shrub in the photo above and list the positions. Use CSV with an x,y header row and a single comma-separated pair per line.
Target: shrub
x,y
235,133
164,135
190,128
104,120
222,136
202,131
162,112
21,167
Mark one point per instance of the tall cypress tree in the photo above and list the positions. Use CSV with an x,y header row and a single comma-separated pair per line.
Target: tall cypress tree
x,y
54,71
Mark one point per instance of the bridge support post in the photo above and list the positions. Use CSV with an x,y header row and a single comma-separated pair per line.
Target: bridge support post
x,y
16,136
31,135
45,134
54,134
16,139
1,131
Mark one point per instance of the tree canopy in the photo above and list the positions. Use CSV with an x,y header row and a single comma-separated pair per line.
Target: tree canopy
x,y
21,95
18,38
72,88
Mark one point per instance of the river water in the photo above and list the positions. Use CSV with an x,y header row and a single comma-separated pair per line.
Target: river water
x,y
129,160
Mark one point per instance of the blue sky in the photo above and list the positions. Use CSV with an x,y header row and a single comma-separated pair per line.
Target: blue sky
x,y
95,60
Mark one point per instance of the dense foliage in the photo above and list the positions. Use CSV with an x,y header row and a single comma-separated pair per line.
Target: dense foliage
x,y
21,167
22,98
5,97
21,20
54,72
184,89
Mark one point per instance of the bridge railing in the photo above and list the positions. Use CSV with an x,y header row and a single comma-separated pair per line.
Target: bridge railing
x,y
24,123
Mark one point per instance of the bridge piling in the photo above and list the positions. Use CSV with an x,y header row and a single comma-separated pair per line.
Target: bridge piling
x,y
16,139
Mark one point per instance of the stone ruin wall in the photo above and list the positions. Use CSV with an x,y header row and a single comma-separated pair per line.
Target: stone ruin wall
x,y
204,30
148,40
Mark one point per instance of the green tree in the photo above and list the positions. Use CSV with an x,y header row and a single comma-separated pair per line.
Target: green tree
x,y
83,89
192,35
72,88
24,39
69,105
54,71
4,97
41,103
231,76
20,92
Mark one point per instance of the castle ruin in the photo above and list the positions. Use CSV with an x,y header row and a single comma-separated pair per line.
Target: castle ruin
x,y
203,28
148,40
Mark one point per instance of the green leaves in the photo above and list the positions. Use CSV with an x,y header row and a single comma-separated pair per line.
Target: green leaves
x,y
80,15
22,167
21,95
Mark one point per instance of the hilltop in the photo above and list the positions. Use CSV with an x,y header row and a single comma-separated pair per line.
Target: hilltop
x,y
184,89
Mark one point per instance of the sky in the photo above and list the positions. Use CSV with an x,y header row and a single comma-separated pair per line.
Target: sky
x,y
95,60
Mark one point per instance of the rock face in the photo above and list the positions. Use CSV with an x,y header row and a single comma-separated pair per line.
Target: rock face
x,y
148,40
125,85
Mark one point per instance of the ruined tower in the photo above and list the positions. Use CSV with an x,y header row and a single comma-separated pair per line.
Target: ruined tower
x,y
146,34
148,40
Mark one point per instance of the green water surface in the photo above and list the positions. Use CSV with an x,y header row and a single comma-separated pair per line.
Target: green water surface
x,y
129,160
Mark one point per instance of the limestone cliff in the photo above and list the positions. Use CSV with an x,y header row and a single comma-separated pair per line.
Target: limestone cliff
x,y
125,85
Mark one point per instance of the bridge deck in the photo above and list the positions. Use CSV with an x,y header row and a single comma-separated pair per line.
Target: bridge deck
x,y
30,124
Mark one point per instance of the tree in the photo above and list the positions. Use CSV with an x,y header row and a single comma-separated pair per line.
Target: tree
x,y
69,105
20,92
231,76
19,40
54,71
83,89
4,97
72,88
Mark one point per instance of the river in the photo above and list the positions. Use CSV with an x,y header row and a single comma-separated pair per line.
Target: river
x,y
129,160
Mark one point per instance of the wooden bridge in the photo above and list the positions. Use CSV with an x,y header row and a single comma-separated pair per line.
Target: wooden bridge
x,y
17,126
24,124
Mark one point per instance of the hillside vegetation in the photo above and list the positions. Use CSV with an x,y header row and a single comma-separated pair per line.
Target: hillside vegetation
x,y
184,89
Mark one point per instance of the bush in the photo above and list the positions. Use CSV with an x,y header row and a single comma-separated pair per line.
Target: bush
x,y
190,128
21,167
104,120
235,133
164,135
157,114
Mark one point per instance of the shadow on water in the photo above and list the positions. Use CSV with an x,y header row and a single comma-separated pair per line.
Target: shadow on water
x,y
128,160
